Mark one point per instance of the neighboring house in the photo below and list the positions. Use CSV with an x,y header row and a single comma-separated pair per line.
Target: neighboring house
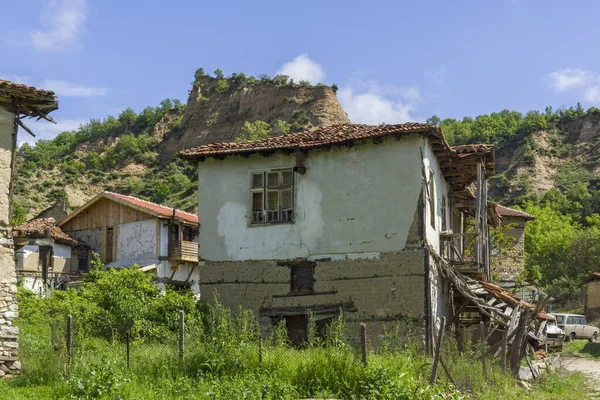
x,y
17,101
126,230
58,211
592,296
348,217
48,258
510,261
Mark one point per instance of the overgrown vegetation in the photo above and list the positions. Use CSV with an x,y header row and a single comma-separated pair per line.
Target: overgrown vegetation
x,y
563,244
258,130
222,353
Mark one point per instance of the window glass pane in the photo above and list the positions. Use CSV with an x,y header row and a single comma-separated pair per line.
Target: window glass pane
x,y
257,201
272,200
584,321
570,320
286,178
286,199
272,179
257,180
559,319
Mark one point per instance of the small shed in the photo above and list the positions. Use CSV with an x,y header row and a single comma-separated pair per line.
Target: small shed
x,y
46,256
592,296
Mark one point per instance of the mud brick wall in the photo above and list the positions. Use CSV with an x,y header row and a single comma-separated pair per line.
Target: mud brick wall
x,y
384,290
592,300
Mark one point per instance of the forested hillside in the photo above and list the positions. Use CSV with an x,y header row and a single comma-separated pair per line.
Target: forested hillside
x,y
548,162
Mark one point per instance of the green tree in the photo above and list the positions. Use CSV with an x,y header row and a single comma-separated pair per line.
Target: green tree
x,y
254,131
19,214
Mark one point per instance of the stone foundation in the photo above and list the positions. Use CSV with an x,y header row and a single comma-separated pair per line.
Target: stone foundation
x,y
9,364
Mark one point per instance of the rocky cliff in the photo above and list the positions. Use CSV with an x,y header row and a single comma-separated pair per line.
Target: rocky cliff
x,y
217,109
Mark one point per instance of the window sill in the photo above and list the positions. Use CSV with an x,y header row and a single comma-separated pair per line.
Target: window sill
x,y
258,225
304,294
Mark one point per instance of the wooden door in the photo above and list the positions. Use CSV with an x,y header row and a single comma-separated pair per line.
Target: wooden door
x,y
108,257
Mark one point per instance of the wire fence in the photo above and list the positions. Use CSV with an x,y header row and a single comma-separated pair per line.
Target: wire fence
x,y
198,348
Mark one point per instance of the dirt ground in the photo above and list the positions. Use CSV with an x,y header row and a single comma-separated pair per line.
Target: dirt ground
x,y
587,366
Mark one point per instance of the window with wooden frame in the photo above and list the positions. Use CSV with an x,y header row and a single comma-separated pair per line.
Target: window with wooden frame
x,y
272,196
173,232
302,279
431,199
189,233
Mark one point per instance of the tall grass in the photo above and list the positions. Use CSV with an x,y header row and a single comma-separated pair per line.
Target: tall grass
x,y
225,358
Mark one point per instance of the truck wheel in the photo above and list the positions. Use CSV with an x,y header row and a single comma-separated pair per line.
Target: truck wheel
x,y
594,337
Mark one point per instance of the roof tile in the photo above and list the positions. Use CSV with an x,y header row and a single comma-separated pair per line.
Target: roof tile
x,y
35,228
156,208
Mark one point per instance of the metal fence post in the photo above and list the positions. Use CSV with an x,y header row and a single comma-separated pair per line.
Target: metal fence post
x,y
438,350
127,342
363,340
483,362
260,353
181,334
69,340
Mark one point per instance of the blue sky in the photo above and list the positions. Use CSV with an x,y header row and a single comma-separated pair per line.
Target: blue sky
x,y
393,60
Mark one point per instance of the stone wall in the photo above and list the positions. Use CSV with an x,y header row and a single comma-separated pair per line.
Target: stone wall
x,y
9,364
510,261
8,298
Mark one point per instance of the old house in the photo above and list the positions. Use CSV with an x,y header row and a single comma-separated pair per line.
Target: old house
x,y
349,217
510,261
126,230
17,101
592,296
48,258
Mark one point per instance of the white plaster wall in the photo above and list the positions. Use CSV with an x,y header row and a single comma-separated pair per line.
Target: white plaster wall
x,y
136,241
351,200
441,188
61,250
6,148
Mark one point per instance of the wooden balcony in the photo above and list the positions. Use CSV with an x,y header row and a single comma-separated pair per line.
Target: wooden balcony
x,y
183,251
467,252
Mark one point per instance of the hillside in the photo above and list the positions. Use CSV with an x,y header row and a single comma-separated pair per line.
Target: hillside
x,y
217,109
133,153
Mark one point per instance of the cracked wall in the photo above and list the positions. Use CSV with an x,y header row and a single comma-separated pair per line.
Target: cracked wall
x,y
351,200
384,291
137,241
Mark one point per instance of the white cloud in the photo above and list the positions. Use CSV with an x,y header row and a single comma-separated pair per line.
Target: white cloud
x,y
586,83
47,130
63,88
63,21
370,103
568,78
365,101
303,68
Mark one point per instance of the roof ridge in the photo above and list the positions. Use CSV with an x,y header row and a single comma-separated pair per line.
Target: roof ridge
x,y
149,202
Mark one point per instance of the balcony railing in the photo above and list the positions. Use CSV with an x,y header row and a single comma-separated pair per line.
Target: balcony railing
x,y
465,250
183,251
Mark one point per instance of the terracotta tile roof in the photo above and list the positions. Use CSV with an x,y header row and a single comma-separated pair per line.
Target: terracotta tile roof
x,y
313,138
36,229
25,89
511,212
468,149
594,276
154,208
26,100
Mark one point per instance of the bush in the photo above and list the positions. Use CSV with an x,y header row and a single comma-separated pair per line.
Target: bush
x,y
254,131
221,86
